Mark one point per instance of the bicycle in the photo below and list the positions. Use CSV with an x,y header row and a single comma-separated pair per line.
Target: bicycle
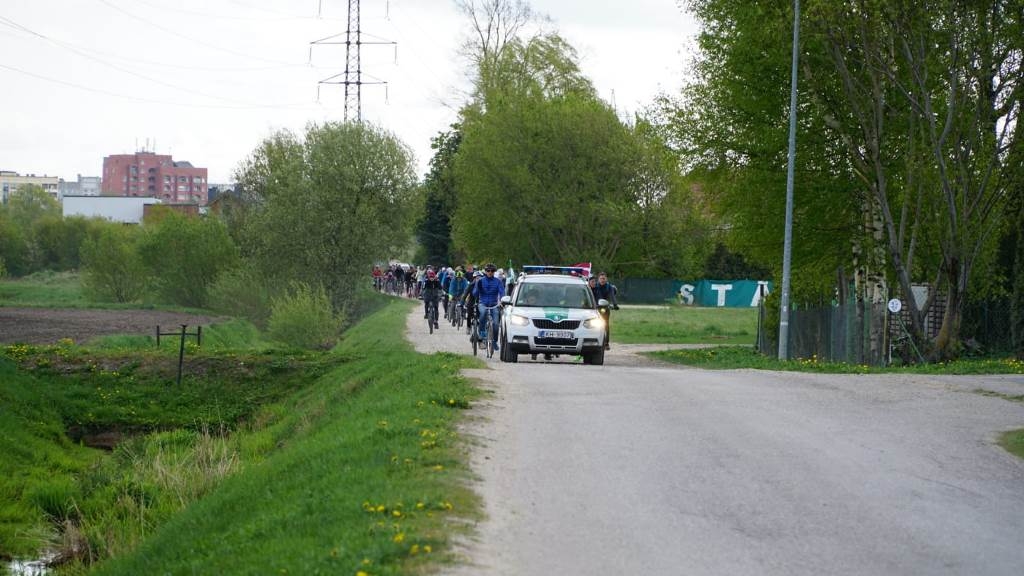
x,y
490,329
431,314
471,330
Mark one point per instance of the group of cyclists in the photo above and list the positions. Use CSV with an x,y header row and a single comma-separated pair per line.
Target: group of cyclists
x,y
468,294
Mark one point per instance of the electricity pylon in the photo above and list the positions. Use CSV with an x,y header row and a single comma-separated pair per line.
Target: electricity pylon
x,y
352,77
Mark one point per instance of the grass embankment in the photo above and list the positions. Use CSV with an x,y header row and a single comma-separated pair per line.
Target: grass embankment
x,y
357,469
684,325
739,357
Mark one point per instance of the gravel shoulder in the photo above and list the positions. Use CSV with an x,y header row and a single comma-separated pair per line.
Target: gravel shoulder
x,y
48,325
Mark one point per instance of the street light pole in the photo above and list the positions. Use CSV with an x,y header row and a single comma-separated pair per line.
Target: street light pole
x,y
787,247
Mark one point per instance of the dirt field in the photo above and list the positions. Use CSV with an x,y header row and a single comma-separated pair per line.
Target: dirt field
x,y
48,325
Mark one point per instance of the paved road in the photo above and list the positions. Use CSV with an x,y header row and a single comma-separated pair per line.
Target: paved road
x,y
636,468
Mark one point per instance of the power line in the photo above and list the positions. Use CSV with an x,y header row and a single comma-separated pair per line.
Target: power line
x,y
117,67
148,100
189,38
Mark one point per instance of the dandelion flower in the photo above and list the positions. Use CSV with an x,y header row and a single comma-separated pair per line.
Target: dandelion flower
x,y
399,538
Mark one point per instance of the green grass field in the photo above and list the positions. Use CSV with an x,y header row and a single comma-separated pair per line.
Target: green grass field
x,y
43,289
355,466
684,325
740,357
64,290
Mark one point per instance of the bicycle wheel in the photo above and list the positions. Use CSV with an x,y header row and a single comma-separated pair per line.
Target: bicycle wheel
x,y
490,336
430,318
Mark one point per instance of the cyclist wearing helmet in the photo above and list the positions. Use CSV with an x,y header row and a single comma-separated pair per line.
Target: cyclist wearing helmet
x,y
431,292
488,292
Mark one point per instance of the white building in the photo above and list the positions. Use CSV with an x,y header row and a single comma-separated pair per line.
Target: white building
x,y
124,209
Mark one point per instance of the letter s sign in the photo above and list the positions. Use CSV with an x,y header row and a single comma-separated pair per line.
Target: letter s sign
x,y
686,294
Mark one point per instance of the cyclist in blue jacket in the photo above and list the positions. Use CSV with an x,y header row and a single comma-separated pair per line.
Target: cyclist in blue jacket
x,y
488,292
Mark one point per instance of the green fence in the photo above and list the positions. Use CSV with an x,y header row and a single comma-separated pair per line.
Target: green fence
x,y
710,293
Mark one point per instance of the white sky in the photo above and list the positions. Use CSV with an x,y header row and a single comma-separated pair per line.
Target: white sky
x,y
207,80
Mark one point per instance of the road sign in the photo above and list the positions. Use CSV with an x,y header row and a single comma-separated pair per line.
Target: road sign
x,y
895,305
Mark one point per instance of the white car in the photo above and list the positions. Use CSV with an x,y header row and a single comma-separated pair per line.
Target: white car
x,y
551,313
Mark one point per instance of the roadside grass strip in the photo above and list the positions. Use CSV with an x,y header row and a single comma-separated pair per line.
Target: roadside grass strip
x,y
1013,442
745,357
361,472
684,325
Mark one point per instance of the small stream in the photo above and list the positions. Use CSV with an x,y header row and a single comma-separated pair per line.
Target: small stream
x,y
36,567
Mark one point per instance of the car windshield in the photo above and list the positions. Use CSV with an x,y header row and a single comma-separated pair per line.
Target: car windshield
x,y
555,295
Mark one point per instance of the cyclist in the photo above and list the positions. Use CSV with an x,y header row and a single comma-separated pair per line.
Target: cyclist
x,y
378,278
457,287
431,293
607,291
488,292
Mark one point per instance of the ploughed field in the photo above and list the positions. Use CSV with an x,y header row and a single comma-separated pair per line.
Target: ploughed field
x,y
48,325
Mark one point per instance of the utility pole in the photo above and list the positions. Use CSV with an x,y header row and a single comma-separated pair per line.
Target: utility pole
x,y
352,77
787,246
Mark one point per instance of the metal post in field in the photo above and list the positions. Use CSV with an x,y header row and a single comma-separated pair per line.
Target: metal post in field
x,y
787,247
181,352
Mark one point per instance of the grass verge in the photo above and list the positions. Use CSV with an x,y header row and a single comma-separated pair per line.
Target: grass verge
x,y
344,465
684,325
361,471
1013,441
740,357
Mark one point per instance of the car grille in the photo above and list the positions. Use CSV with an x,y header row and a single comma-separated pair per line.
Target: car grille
x,y
555,341
552,325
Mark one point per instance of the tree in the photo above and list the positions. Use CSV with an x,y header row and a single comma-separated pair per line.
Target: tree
x,y
325,208
440,199
30,203
112,268
907,134
184,255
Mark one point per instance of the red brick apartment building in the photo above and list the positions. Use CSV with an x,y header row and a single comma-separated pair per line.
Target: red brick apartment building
x,y
156,175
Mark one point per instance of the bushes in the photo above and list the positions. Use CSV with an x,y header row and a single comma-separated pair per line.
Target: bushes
x,y
241,292
304,318
184,255
113,270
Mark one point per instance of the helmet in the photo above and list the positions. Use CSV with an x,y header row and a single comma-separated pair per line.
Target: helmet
x,y
431,275
490,267
458,273
477,274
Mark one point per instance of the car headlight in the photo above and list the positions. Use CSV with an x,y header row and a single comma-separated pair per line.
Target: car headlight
x,y
517,320
595,323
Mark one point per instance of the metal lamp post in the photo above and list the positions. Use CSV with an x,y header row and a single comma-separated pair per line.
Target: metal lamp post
x,y
787,247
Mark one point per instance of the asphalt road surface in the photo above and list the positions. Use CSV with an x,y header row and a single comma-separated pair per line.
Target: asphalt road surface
x,y
641,468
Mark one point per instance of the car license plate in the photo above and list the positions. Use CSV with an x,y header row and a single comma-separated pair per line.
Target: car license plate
x,y
556,334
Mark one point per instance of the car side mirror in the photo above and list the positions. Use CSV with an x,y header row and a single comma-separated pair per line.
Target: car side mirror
x,y
506,300
602,303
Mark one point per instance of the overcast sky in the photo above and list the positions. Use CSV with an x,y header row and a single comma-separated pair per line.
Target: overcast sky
x,y
207,80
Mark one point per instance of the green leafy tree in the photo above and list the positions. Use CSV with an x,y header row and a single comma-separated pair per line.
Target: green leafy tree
x,y
14,250
30,203
59,241
324,208
112,269
184,255
434,229
907,128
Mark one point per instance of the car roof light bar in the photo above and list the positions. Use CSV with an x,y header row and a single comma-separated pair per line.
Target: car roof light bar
x,y
563,270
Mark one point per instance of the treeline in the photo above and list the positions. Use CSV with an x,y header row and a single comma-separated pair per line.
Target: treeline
x,y
291,250
539,169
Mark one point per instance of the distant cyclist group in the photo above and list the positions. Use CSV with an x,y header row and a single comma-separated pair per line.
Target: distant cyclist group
x,y
469,296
